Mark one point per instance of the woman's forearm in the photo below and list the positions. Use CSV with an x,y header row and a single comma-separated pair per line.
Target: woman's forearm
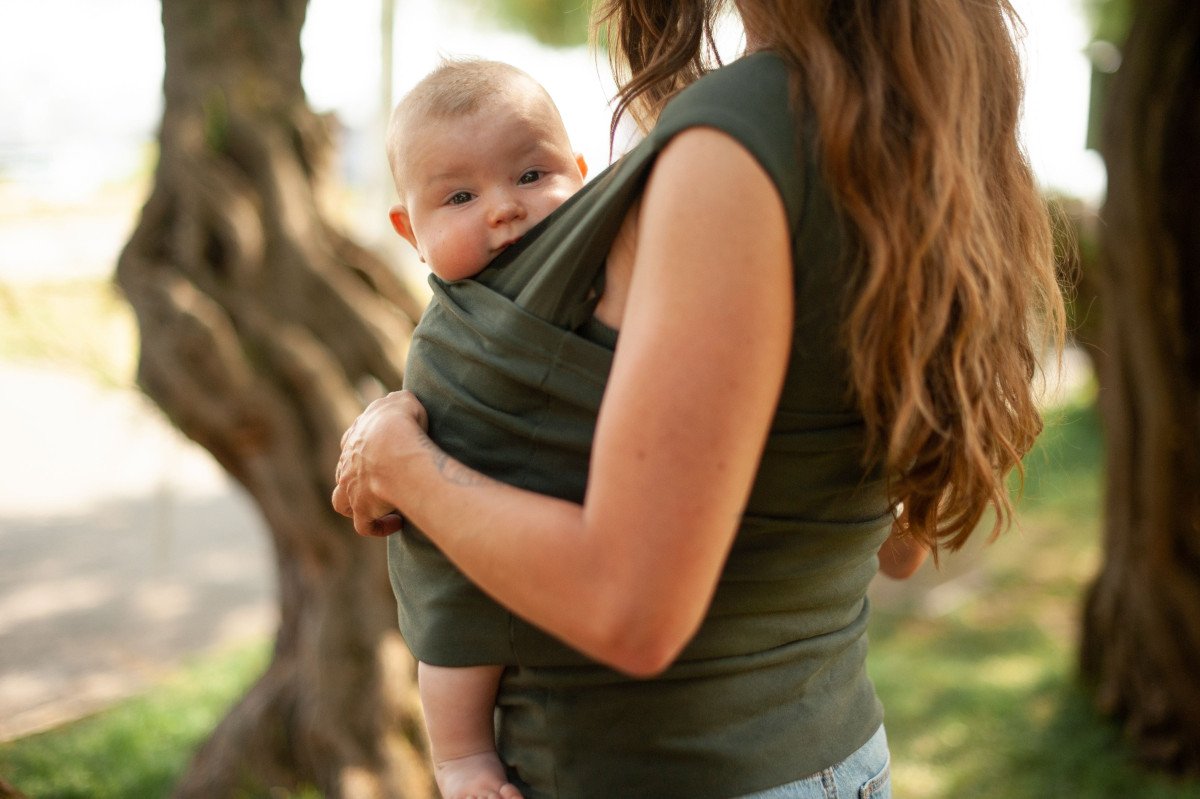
x,y
537,555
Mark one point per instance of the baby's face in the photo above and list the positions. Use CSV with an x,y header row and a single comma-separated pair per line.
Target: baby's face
x,y
474,185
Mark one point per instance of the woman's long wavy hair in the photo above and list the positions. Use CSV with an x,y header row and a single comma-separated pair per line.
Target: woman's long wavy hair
x,y
917,104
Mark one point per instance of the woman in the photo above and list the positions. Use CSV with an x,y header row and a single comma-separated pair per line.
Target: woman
x,y
831,275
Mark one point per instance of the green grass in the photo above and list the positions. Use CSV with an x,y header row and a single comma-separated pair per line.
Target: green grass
x,y
139,748
983,700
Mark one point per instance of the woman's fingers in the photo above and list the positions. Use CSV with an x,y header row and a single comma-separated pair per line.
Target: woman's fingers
x,y
377,527
387,524
415,408
380,418
340,502
366,523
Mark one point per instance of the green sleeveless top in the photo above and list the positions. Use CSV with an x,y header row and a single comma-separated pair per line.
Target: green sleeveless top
x,y
511,367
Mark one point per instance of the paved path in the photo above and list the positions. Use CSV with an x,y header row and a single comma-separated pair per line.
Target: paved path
x,y
124,550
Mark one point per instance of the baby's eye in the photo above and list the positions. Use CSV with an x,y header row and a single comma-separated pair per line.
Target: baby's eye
x,y
532,176
460,197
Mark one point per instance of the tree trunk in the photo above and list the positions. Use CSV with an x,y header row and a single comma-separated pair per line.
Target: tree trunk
x,y
1141,632
263,329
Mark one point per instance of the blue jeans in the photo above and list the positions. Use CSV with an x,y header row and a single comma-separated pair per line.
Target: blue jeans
x,y
863,775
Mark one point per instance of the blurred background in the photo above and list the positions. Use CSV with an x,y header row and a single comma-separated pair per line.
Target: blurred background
x,y
138,594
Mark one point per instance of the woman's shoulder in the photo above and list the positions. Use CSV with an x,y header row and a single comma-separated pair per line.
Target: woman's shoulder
x,y
764,71
755,85
750,100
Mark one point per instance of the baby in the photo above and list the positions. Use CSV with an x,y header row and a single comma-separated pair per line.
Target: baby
x,y
479,155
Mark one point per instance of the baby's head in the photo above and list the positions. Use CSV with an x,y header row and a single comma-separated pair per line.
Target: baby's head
x,y
479,155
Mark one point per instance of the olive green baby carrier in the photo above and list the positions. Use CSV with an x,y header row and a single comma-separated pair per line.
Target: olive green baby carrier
x,y
512,387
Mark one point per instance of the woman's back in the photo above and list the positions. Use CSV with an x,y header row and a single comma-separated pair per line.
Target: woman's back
x,y
764,690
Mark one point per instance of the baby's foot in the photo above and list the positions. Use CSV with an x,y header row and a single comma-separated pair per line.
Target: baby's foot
x,y
478,776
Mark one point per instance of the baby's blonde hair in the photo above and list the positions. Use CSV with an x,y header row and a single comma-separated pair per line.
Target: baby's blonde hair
x,y
456,88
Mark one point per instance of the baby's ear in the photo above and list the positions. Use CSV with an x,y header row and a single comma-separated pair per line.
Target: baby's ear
x,y
403,225
582,164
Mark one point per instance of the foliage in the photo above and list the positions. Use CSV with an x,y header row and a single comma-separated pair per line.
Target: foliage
x,y
1110,19
555,22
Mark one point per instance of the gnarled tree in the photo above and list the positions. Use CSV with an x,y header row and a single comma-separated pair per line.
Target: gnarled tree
x,y
262,326
1141,635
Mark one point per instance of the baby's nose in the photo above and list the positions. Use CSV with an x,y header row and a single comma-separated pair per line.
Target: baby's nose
x,y
507,209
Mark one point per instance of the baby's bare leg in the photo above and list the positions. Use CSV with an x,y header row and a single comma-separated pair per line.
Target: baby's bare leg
x,y
459,704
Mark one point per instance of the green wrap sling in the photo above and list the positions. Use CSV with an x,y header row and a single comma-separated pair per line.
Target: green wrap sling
x,y
511,367
512,390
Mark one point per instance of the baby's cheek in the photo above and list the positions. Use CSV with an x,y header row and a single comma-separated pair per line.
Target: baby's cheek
x,y
460,256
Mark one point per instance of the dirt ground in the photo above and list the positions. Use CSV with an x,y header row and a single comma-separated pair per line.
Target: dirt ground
x,y
124,551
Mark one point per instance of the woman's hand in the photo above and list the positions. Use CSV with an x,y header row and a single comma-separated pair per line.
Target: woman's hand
x,y
374,451
901,554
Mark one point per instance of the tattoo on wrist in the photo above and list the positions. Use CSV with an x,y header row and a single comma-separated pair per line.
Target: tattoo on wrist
x,y
451,470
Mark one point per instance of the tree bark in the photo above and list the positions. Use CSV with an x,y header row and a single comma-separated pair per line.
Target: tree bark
x,y
1141,632
263,331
